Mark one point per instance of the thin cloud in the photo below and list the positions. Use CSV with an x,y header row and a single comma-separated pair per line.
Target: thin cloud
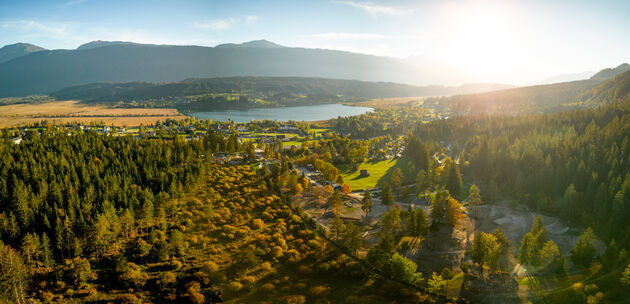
x,y
249,20
74,2
373,8
218,25
340,35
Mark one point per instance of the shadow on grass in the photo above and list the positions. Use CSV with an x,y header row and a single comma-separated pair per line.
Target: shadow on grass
x,y
407,168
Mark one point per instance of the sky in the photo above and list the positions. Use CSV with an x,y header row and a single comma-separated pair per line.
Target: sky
x,y
516,42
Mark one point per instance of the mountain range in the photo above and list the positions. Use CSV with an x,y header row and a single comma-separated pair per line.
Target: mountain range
x,y
12,51
45,71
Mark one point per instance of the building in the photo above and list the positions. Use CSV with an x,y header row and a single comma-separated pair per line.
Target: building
x,y
16,140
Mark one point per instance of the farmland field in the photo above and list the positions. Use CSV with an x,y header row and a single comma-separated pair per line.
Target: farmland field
x,y
73,111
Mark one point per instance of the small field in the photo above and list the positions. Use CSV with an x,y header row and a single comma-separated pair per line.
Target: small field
x,y
74,111
379,171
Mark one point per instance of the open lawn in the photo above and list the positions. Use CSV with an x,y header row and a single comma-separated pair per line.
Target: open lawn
x,y
379,172
74,111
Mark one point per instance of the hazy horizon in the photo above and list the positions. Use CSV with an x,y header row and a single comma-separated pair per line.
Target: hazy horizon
x,y
512,42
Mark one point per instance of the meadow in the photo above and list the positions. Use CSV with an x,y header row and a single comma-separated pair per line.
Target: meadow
x,y
379,171
73,111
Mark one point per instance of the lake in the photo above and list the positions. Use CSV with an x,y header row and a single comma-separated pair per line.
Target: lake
x,y
302,113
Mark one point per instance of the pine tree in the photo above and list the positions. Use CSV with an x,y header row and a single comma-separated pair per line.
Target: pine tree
x,y
387,199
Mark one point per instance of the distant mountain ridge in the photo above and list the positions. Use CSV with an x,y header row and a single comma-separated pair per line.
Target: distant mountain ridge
x,y
262,43
12,51
100,43
101,61
565,78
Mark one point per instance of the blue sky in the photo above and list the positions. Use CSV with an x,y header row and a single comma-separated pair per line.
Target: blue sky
x,y
500,41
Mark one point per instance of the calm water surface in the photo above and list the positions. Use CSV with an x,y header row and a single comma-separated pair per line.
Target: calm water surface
x,y
303,113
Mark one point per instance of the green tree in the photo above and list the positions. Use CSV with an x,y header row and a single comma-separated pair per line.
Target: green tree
x,y
447,275
436,283
81,271
423,181
31,249
625,276
549,253
13,276
396,178
400,268
454,181
417,223
335,202
485,250
474,196
366,203
584,250
352,238
337,227
390,222
387,199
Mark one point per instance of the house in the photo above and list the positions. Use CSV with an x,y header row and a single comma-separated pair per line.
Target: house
x,y
364,173
16,140
281,136
287,128
241,128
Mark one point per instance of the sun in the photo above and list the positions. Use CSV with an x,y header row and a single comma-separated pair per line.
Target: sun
x,y
482,40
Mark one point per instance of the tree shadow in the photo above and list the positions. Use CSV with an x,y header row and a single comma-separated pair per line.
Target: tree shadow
x,y
407,168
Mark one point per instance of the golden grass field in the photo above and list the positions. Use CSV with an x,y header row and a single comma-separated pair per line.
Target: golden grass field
x,y
74,111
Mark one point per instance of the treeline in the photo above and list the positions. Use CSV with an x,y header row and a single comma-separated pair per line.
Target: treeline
x,y
378,123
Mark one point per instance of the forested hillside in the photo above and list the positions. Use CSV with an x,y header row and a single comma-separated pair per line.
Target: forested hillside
x,y
241,92
571,164
555,97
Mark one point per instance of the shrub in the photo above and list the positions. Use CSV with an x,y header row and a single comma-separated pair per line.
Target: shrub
x,y
276,251
234,286
128,298
257,224
196,298
267,287
295,299
323,267
319,291
209,267
133,276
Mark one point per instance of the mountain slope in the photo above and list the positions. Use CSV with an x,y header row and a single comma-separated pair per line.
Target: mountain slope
x,y
12,51
566,78
532,99
611,72
48,71
613,90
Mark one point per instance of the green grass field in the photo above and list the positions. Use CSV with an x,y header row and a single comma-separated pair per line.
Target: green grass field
x,y
379,172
